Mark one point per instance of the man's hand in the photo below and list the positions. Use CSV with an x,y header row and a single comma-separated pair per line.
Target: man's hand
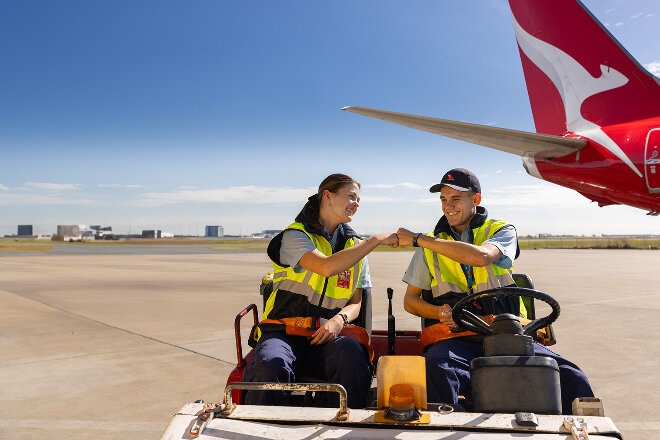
x,y
444,315
405,237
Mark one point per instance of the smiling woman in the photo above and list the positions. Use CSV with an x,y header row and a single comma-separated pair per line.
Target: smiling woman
x,y
319,269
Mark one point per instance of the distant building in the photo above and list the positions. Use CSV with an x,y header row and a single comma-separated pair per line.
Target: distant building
x,y
152,233
214,231
268,233
25,231
73,233
102,232
68,232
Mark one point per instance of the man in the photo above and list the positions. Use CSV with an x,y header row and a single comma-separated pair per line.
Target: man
x,y
468,252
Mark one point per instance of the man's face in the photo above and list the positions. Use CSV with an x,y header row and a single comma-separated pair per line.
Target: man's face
x,y
458,206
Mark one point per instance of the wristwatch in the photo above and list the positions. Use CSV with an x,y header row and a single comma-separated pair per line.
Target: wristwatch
x,y
415,239
344,316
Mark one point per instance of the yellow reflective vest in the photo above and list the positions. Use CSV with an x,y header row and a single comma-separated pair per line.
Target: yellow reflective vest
x,y
294,292
447,275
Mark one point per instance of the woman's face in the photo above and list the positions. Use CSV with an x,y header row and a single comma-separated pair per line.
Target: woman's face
x,y
345,202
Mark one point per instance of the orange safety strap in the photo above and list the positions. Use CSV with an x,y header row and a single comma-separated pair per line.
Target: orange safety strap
x,y
297,326
441,332
301,326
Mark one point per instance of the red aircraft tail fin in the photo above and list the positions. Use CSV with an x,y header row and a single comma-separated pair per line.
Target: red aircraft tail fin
x,y
578,75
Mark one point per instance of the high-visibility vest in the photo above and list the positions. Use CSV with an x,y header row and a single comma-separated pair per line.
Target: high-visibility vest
x,y
447,275
293,291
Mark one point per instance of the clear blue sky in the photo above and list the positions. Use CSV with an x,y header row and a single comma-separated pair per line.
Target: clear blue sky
x,y
175,115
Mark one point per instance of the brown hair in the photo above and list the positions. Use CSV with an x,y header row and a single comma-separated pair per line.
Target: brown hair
x,y
334,182
309,215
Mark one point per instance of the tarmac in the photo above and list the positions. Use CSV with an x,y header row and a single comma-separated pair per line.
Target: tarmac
x,y
109,345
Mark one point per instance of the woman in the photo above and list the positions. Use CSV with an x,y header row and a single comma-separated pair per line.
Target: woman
x,y
319,272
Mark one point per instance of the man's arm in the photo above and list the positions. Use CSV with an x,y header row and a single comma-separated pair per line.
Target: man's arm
x,y
414,304
464,253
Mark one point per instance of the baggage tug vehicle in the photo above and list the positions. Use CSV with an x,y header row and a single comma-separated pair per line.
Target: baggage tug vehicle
x,y
514,393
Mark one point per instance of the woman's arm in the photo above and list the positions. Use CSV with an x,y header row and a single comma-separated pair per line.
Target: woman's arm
x,y
338,262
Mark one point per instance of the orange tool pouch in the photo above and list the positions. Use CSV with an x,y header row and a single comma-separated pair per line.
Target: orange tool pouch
x,y
545,335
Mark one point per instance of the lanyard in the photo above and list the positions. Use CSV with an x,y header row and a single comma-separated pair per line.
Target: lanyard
x,y
317,318
467,269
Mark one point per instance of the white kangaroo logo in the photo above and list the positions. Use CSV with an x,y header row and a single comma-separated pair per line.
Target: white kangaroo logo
x,y
575,85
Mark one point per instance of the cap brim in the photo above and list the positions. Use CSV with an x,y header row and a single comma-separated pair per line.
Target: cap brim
x,y
436,188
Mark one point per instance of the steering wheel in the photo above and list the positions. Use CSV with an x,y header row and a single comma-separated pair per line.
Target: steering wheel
x,y
469,321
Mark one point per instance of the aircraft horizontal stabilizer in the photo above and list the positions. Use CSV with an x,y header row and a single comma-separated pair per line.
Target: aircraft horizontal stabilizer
x,y
516,142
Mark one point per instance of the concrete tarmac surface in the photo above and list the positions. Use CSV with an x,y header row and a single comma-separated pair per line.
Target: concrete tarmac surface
x,y
110,346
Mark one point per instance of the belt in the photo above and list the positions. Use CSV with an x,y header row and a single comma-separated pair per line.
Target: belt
x,y
302,326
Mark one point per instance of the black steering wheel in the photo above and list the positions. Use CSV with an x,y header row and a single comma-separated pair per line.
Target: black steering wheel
x,y
469,321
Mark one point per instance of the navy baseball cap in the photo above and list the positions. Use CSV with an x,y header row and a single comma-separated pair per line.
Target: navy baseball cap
x,y
460,179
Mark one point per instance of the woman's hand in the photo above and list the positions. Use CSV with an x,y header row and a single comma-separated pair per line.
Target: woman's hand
x,y
328,331
388,239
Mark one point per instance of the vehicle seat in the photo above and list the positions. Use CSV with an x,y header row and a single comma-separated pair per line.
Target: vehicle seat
x,y
364,317
523,280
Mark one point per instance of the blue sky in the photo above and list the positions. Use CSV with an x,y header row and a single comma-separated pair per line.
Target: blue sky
x,y
175,115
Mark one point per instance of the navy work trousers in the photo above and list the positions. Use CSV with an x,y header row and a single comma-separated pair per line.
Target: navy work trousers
x,y
279,357
448,372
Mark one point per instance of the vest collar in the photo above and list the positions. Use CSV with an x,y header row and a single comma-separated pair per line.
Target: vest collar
x,y
476,221
345,232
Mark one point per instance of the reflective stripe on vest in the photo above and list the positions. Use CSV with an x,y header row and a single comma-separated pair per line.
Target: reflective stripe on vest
x,y
448,276
310,285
